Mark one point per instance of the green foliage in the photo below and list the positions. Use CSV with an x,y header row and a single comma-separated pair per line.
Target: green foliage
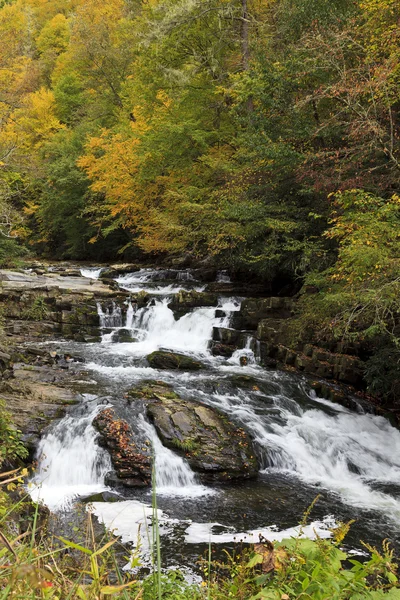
x,y
11,446
298,567
382,372
11,252
38,310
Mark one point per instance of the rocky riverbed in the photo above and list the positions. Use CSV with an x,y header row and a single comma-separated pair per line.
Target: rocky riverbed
x,y
118,371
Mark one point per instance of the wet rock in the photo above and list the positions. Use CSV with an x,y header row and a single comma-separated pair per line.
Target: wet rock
x,y
105,496
212,445
171,360
123,268
343,395
271,330
122,336
218,349
226,335
253,310
185,300
35,396
109,273
207,274
245,381
132,467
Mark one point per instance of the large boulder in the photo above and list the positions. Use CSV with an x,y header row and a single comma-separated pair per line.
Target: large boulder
x,y
213,446
185,300
171,360
253,310
132,468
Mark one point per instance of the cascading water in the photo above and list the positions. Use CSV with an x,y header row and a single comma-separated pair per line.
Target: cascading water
x,y
91,272
161,282
71,463
110,316
304,444
173,474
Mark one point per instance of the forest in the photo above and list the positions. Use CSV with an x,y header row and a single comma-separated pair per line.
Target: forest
x,y
260,135
145,144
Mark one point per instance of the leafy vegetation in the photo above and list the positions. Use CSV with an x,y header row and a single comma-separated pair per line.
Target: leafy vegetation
x,y
35,567
262,134
11,447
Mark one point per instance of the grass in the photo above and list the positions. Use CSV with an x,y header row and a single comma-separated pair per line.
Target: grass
x,y
35,566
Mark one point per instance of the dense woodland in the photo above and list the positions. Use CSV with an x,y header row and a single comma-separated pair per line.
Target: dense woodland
x,y
261,133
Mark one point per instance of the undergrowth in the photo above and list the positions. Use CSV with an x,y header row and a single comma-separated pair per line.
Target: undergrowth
x,y
35,565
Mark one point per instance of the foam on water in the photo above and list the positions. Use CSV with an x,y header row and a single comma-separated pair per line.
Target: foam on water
x,y
173,474
91,272
132,521
71,464
151,280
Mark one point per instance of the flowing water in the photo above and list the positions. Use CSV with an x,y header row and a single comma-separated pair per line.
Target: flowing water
x,y
305,445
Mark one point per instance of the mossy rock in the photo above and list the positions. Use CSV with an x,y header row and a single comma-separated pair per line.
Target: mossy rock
x,y
152,389
213,446
172,361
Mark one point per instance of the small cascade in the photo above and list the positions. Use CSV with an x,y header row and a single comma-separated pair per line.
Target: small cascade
x,y
91,272
184,276
174,477
71,464
158,281
130,314
223,277
111,316
248,355
155,327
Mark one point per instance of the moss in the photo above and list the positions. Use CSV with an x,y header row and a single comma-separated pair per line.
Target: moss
x,y
187,445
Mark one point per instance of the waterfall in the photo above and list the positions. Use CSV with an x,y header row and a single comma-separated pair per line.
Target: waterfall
x,y
71,464
185,276
154,326
344,452
91,272
299,439
223,277
111,316
159,282
174,477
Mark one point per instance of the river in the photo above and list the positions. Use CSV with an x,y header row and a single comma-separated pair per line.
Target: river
x,y
305,445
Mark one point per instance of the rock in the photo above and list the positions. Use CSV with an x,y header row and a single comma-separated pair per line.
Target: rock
x,y
218,349
236,288
123,268
102,497
132,468
185,300
245,381
212,445
207,274
254,310
121,336
109,273
225,335
35,397
171,360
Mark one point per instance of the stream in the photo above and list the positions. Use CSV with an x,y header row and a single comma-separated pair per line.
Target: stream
x,y
305,445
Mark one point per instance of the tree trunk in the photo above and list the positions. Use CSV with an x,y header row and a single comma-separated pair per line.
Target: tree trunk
x,y
246,49
245,36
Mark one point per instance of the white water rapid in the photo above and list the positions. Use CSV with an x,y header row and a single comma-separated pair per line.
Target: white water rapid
x,y
173,474
304,444
91,272
71,463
